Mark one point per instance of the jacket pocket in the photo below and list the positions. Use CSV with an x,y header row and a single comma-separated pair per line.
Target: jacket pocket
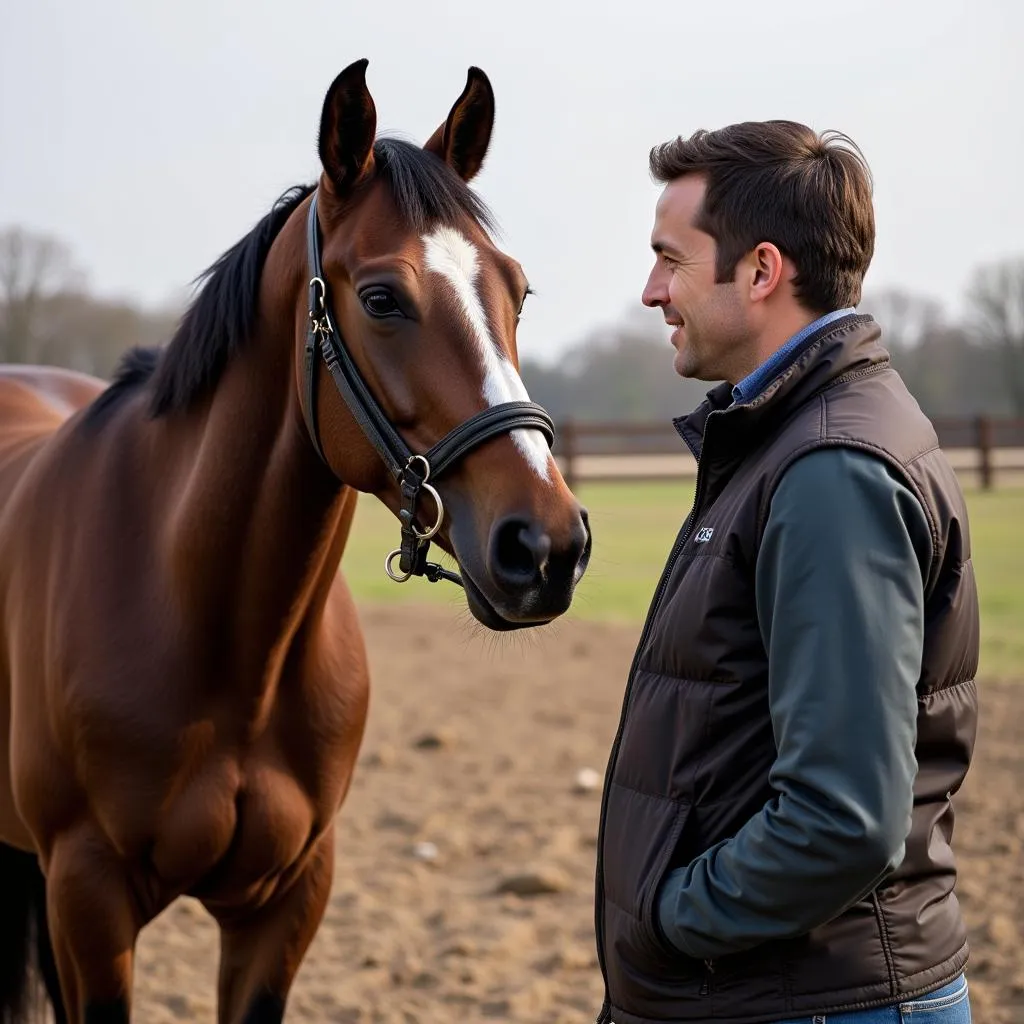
x,y
649,908
641,833
948,1005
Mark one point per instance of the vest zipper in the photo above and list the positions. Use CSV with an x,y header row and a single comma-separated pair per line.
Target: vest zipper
x,y
677,548
709,970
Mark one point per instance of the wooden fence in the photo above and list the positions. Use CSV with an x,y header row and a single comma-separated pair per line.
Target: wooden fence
x,y
984,451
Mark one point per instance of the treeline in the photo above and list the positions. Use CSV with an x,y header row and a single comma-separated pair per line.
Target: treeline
x,y
47,314
621,372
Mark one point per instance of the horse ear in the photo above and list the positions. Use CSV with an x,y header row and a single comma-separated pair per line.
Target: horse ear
x,y
348,125
462,141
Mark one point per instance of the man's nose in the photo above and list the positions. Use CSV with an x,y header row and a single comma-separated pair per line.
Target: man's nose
x,y
655,293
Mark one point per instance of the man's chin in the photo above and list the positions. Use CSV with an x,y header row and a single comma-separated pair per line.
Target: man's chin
x,y
682,360
690,369
685,366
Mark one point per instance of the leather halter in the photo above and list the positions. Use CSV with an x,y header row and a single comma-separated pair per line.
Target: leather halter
x,y
411,470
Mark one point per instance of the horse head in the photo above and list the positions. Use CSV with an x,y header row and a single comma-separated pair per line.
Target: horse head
x,y
414,309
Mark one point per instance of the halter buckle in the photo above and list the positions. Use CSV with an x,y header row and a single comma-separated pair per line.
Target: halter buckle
x,y
322,297
320,320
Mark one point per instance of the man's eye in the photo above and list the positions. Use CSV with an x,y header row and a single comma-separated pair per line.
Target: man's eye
x,y
379,302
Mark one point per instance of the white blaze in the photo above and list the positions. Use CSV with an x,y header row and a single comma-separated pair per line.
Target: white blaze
x,y
454,257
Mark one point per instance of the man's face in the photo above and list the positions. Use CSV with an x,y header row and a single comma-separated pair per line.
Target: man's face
x,y
711,331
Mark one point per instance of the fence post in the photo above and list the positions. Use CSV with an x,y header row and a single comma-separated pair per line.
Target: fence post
x,y
985,438
568,434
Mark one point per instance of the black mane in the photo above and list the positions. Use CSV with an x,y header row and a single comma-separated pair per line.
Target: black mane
x,y
221,318
136,367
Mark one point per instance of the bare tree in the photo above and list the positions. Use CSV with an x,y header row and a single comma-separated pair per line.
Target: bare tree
x,y
33,269
997,303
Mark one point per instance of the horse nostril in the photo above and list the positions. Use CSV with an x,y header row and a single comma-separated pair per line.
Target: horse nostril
x,y
538,543
521,551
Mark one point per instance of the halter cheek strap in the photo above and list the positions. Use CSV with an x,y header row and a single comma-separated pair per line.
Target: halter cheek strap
x,y
411,470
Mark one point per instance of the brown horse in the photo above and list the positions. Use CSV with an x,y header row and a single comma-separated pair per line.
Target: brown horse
x,y
183,681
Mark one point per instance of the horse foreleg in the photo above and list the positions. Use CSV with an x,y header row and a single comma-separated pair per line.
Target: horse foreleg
x,y
94,924
67,979
261,952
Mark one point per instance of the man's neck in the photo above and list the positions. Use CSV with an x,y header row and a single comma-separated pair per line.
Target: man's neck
x,y
777,334
780,353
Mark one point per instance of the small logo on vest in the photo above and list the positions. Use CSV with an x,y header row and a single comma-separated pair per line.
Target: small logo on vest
x,y
704,534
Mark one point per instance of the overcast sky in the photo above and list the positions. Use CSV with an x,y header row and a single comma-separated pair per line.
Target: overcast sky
x,y
149,136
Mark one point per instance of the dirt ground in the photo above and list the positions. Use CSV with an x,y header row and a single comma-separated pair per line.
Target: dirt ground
x,y
469,783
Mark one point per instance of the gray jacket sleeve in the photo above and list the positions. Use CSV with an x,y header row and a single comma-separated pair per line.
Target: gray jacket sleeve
x,y
839,589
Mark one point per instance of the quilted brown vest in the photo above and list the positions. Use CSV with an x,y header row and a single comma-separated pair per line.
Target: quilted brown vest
x,y
691,759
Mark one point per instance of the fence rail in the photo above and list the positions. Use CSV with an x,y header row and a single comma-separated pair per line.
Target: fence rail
x,y
984,451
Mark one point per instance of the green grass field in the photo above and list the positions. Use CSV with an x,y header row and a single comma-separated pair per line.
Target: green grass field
x,y
634,526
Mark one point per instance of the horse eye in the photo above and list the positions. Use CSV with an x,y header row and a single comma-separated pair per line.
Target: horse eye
x,y
380,303
522,305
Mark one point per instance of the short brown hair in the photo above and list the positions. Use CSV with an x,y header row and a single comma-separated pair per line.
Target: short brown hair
x,y
781,182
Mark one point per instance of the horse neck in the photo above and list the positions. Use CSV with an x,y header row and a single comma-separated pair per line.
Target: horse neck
x,y
260,524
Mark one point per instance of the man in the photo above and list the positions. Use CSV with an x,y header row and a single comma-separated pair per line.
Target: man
x,y
775,839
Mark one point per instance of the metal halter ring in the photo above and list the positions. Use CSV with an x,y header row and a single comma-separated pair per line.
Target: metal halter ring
x,y
398,578
426,465
427,534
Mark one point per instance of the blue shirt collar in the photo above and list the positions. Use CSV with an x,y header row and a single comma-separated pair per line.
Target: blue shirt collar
x,y
754,383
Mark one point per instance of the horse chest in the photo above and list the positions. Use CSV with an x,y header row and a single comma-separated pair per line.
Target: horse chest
x,y
201,785
250,812
237,827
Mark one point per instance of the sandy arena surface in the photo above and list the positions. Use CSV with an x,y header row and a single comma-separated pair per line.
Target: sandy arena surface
x,y
467,785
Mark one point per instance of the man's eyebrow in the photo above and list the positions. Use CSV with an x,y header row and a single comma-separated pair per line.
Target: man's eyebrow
x,y
664,249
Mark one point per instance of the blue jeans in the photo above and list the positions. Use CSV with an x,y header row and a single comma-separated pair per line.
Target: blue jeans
x,y
947,1005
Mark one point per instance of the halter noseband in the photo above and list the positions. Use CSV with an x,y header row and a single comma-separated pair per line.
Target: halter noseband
x,y
411,470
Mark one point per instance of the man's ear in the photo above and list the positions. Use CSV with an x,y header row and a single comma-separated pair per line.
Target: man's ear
x,y
766,268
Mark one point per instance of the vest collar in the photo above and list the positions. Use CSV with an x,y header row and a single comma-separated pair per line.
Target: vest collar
x,y
843,347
